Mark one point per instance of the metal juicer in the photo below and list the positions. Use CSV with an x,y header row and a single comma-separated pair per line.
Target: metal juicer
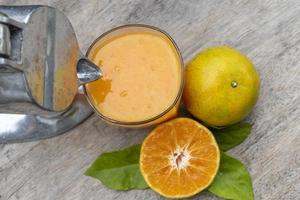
x,y
41,71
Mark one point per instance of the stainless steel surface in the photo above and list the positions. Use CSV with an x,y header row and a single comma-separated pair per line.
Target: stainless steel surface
x,y
48,56
13,89
27,127
87,72
41,68
5,46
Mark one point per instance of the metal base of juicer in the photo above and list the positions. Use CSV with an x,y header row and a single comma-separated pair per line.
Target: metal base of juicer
x,y
29,127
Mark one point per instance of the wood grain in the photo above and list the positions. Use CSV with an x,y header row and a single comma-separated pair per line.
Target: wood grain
x,y
268,31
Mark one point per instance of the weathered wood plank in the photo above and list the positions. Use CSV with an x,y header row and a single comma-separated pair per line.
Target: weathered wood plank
x,y
267,31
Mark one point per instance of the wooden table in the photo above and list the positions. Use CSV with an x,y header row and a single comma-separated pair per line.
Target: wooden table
x,y
267,31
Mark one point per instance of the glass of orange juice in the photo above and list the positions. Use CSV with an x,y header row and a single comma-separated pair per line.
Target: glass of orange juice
x,y
143,76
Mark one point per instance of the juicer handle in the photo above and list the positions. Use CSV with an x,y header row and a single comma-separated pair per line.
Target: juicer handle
x,y
43,46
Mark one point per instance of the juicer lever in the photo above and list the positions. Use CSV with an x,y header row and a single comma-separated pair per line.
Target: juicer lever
x,y
43,46
41,69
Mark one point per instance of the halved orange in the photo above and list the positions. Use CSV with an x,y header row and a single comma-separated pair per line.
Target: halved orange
x,y
179,158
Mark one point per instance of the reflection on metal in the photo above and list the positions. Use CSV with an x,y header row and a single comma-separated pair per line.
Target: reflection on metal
x,y
41,65
28,127
87,71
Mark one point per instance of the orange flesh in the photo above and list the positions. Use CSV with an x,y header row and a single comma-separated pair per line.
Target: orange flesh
x,y
179,158
141,76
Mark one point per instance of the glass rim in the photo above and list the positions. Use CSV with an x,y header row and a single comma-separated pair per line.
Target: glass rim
x,y
178,96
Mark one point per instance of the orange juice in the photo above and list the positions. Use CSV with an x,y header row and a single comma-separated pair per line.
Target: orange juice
x,y
142,76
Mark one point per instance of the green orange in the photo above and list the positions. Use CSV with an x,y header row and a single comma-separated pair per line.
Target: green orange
x,y
222,86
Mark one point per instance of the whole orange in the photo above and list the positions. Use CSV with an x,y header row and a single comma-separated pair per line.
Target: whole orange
x,y
222,86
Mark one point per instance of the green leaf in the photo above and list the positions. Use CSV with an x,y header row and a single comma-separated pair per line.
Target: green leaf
x,y
232,181
119,170
232,136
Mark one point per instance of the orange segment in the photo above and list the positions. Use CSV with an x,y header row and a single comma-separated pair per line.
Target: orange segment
x,y
179,158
